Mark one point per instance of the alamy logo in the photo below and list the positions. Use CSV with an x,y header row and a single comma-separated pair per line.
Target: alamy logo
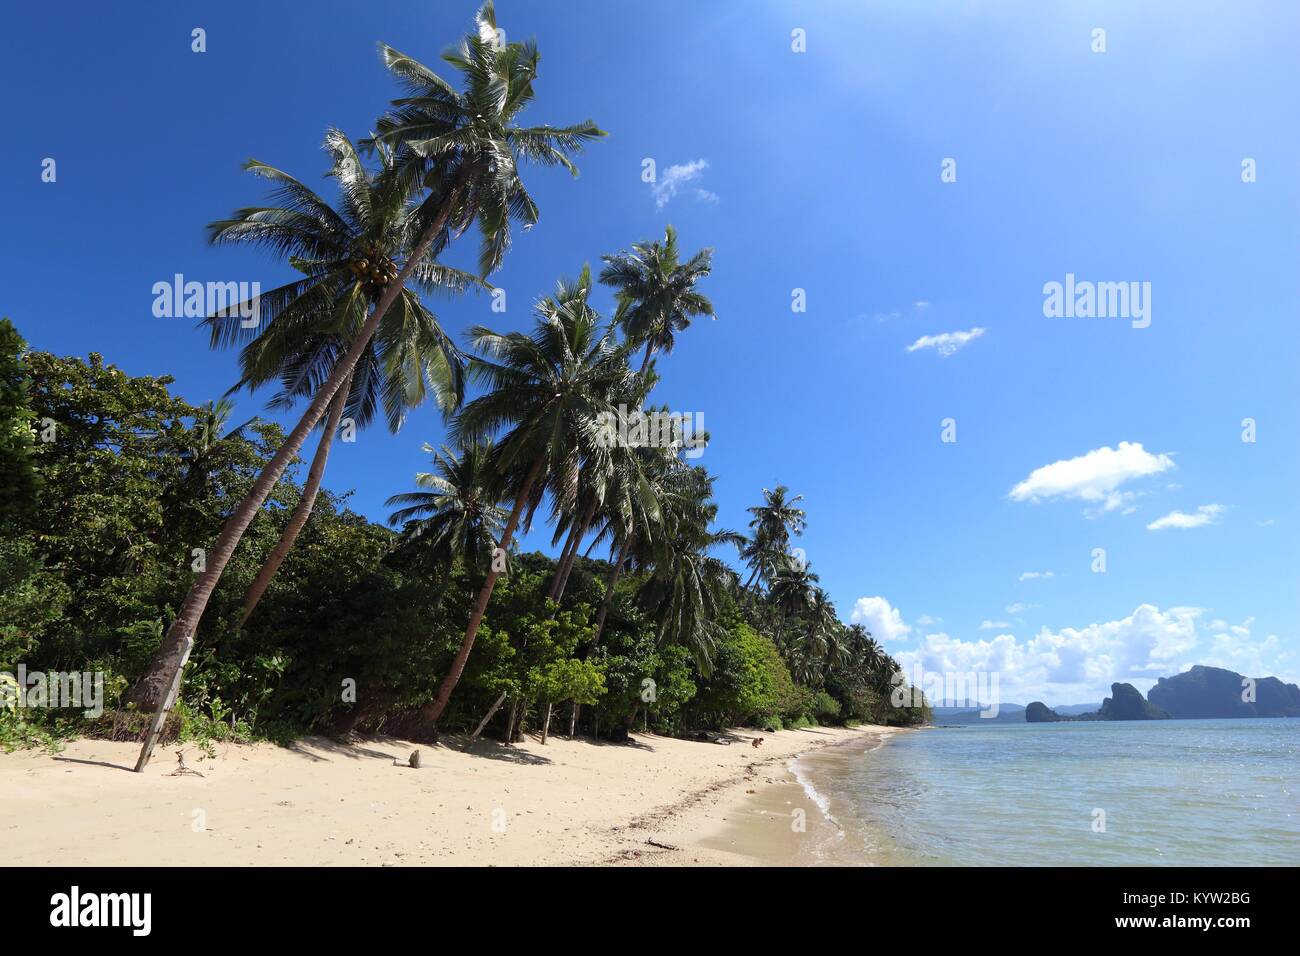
x,y
198,300
1098,300
103,909
953,688
55,689
653,429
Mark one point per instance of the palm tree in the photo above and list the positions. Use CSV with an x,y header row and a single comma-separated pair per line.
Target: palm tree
x,y
209,423
792,591
656,292
774,521
456,516
646,481
577,498
309,322
549,389
689,585
463,149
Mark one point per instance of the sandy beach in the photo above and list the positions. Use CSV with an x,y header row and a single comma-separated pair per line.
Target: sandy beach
x,y
656,801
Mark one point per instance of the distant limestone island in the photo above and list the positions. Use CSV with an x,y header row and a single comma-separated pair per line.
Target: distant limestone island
x,y
1200,693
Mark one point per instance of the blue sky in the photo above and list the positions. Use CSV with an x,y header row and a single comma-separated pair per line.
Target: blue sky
x,y
820,171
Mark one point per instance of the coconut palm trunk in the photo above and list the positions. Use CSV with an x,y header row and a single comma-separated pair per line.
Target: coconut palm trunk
x,y
434,710
570,545
579,531
161,683
300,514
612,580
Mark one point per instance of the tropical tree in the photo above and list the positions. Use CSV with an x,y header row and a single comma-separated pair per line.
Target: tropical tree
x,y
656,292
645,479
548,390
19,481
309,323
689,585
456,516
792,592
774,521
463,149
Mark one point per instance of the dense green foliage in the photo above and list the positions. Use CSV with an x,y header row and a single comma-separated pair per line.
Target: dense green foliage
x,y
134,479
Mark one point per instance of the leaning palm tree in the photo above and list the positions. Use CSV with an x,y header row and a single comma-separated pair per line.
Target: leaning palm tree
x,y
456,516
463,148
602,493
308,323
548,390
656,292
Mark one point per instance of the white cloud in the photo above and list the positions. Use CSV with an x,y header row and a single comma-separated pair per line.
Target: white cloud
x,y
1077,665
926,620
994,626
1095,477
947,343
1235,647
675,177
880,618
1035,575
1205,514
1019,607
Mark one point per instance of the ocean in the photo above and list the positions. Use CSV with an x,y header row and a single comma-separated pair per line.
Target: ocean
x,y
1100,793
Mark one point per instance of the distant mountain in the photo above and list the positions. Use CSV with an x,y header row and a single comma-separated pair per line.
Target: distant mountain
x,y
1039,713
1073,710
965,714
1126,703
1208,692
1202,692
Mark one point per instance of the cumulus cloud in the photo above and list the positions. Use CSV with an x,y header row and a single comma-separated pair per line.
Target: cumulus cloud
x,y
1096,477
946,343
1205,514
1235,647
1078,664
673,179
880,618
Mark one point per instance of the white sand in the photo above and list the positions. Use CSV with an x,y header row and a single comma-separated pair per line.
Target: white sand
x,y
321,803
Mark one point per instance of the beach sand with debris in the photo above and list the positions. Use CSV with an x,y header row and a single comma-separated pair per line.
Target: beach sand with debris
x,y
653,801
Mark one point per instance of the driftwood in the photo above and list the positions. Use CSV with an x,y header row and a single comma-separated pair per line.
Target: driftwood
x,y
490,714
662,846
182,770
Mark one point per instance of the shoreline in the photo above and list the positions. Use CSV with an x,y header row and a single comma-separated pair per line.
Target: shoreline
x,y
753,821
654,801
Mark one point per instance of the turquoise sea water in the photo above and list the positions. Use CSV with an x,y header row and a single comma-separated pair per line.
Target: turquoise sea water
x,y
1174,792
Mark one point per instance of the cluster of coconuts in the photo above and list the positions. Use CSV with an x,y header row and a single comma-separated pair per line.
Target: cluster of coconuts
x,y
373,269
